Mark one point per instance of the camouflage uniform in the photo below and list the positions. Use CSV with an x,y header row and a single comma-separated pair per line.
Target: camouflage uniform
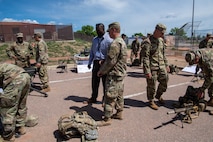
x,y
135,49
42,58
22,51
207,42
155,62
115,68
206,64
13,110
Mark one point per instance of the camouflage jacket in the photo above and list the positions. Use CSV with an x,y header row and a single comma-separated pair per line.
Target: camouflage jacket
x,y
154,54
135,46
206,44
8,72
206,65
41,52
22,51
115,63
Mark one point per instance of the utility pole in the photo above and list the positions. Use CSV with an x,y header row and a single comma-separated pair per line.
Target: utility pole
x,y
192,31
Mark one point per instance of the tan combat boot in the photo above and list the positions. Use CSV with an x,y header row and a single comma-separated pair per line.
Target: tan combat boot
x,y
21,130
210,102
47,89
104,122
118,115
153,105
12,139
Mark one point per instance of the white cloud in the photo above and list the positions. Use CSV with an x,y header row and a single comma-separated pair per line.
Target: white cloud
x,y
51,23
14,20
134,15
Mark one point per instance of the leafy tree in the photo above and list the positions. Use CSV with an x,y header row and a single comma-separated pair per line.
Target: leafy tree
x,y
138,34
178,32
88,30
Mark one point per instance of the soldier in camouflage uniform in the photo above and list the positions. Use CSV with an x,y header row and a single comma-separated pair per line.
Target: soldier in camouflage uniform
x,y
204,60
207,42
21,51
142,47
155,65
135,47
115,68
15,83
41,49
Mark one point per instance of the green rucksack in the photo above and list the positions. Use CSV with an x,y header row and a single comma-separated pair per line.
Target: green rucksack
x,y
79,124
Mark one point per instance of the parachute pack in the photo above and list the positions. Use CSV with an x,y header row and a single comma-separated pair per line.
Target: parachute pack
x,y
79,124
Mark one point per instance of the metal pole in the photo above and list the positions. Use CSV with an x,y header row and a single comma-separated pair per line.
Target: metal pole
x,y
192,32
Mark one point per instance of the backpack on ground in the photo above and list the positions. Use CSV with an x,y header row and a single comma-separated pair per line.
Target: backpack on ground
x,y
79,124
194,96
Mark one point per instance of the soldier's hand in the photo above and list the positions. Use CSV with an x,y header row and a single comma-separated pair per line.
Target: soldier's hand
x,y
14,57
149,75
38,65
32,45
168,69
201,92
99,74
89,66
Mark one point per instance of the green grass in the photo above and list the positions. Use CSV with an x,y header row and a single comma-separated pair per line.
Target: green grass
x,y
55,49
3,53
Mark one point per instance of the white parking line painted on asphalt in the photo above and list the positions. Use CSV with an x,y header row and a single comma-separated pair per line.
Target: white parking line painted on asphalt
x,y
65,80
125,97
141,93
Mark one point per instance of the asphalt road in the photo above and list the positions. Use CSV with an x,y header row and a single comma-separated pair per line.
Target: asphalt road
x,y
140,124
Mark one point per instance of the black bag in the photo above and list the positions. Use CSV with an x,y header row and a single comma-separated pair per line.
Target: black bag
x,y
192,95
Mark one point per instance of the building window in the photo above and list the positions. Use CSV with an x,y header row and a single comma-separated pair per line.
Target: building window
x,y
15,30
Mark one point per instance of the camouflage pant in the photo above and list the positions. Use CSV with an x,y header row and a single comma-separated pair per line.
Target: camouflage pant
x,y
133,55
43,75
162,77
22,64
13,108
209,80
114,95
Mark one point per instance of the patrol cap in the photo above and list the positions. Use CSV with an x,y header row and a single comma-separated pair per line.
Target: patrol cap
x,y
148,34
161,27
190,57
115,25
38,34
19,35
208,35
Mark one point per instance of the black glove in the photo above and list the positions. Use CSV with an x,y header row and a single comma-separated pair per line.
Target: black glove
x,y
89,66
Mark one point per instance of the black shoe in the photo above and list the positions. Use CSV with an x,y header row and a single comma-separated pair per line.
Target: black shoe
x,y
90,101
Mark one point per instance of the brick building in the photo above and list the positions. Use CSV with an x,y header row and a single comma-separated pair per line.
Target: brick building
x,y
8,31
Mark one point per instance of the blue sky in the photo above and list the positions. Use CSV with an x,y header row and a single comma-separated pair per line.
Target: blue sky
x,y
134,15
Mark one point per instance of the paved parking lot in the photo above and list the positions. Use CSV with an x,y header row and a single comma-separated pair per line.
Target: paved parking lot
x,y
141,123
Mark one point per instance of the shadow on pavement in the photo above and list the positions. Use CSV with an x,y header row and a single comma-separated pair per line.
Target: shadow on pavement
x,y
76,98
136,74
95,113
134,103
